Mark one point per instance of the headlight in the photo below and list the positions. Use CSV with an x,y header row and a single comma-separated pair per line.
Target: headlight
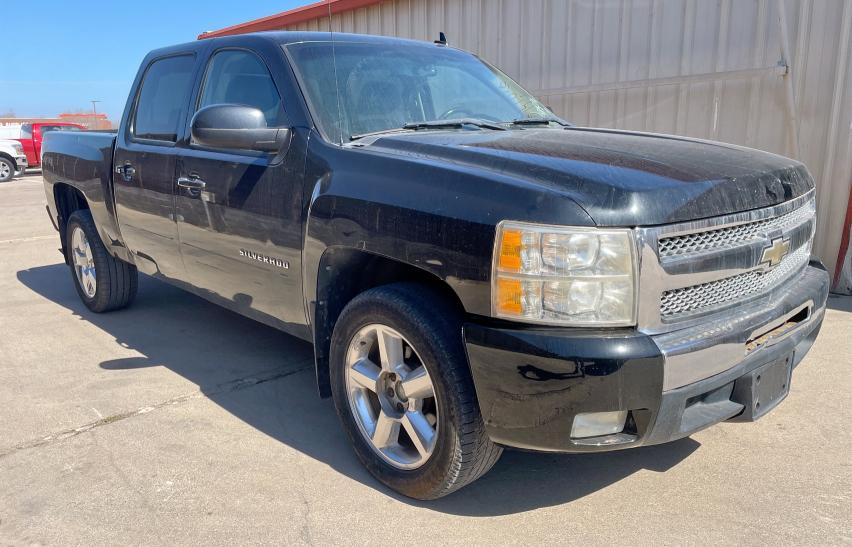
x,y
19,149
564,276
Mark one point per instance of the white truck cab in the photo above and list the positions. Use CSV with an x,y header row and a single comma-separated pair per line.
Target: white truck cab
x,y
12,159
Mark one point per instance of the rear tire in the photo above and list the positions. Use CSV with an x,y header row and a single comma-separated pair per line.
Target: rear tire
x,y
7,170
103,282
429,331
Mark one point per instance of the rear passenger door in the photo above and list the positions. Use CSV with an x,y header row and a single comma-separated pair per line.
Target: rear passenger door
x,y
240,233
145,164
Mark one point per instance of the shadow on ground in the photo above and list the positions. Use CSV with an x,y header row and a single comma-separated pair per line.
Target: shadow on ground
x,y
265,378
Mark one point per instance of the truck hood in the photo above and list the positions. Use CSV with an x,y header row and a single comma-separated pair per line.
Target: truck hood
x,y
620,178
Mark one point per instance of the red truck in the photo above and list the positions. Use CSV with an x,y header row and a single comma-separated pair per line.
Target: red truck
x,y
33,133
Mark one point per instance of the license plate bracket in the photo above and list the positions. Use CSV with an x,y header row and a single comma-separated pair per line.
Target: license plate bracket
x,y
762,389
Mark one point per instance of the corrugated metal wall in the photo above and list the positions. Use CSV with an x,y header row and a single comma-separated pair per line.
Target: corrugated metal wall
x,y
770,74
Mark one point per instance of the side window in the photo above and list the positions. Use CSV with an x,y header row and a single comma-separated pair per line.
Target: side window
x,y
26,131
240,77
163,98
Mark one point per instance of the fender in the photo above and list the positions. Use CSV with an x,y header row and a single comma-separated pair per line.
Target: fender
x,y
433,217
87,167
436,216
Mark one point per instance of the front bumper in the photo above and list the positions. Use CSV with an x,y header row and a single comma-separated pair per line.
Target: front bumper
x,y
21,161
531,381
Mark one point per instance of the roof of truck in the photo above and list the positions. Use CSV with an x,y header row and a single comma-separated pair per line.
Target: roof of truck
x,y
290,37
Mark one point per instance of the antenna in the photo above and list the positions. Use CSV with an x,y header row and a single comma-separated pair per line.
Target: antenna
x,y
442,39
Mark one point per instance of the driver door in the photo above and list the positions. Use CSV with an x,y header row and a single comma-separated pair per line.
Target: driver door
x,y
239,211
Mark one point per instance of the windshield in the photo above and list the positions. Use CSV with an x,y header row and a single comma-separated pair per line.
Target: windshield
x,y
385,87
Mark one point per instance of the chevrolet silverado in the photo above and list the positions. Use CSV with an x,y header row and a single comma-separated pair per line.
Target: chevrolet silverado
x,y
474,272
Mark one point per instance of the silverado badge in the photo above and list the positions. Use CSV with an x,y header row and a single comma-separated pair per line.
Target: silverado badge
x,y
265,259
775,253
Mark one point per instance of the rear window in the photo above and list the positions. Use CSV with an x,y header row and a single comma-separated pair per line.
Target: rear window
x,y
26,131
163,98
45,128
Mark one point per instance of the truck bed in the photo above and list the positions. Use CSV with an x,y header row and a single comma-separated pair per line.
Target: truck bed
x,y
83,160
75,155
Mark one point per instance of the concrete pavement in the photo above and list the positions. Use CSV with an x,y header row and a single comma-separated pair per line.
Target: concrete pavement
x,y
176,422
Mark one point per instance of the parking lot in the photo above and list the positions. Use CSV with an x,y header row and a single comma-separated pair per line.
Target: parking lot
x,y
175,421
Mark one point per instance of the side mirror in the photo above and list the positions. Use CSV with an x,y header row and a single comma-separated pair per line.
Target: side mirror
x,y
237,127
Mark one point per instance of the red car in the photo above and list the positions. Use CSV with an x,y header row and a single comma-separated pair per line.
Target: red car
x,y
32,134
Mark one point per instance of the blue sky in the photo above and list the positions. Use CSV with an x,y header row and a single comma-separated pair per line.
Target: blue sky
x,y
71,51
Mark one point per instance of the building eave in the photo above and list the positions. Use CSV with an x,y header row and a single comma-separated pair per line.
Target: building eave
x,y
290,17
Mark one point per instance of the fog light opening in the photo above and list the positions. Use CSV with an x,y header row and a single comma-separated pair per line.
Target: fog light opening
x,y
597,424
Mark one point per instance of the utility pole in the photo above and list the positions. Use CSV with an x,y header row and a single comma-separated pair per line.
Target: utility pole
x,y
94,106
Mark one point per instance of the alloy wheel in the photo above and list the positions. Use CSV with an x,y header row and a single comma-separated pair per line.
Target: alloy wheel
x,y
84,262
391,396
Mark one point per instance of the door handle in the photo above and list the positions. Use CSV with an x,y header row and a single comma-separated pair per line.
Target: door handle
x,y
192,183
126,171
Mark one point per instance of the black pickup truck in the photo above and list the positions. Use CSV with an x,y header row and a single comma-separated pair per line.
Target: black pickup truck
x,y
473,272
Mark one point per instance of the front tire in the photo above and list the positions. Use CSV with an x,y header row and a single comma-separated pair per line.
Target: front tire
x,y
7,170
103,282
404,394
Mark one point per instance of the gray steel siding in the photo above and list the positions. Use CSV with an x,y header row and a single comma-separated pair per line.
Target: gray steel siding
x,y
703,68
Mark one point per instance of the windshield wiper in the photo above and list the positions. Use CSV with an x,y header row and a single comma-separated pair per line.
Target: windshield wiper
x,y
456,123
433,124
380,132
538,121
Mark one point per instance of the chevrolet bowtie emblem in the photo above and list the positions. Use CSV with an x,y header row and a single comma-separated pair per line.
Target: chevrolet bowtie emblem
x,y
775,253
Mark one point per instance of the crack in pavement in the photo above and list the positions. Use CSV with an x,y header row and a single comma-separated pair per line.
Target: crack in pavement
x,y
33,238
227,387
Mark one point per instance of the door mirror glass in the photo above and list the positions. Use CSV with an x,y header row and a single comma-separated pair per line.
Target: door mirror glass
x,y
239,127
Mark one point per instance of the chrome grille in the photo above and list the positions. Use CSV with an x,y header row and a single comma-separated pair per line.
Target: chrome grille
x,y
715,294
730,236
691,270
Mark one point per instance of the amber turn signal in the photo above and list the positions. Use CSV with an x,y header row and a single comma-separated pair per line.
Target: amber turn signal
x,y
510,251
509,293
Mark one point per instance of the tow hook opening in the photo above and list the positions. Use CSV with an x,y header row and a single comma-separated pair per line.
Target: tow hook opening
x,y
774,332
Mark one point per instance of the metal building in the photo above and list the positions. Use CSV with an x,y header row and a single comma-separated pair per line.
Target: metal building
x,y
769,74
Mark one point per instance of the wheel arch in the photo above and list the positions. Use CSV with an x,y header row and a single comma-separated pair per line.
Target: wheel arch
x,y
343,274
68,199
